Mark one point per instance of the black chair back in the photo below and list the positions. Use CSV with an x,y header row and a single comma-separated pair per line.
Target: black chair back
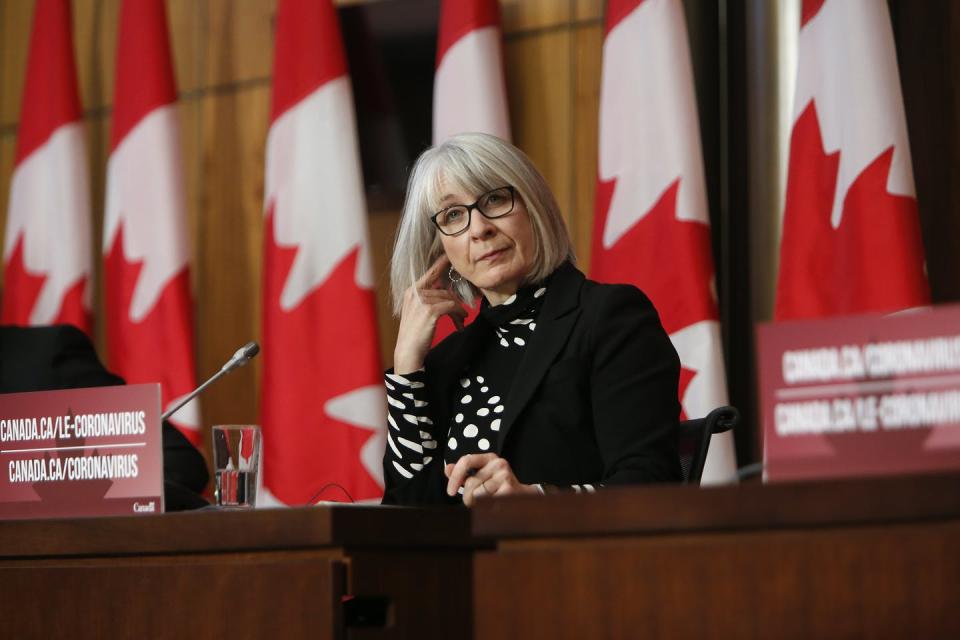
x,y
694,440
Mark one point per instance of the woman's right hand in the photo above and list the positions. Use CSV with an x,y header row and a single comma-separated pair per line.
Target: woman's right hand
x,y
419,315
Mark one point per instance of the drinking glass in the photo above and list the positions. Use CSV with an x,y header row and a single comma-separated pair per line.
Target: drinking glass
x,y
236,463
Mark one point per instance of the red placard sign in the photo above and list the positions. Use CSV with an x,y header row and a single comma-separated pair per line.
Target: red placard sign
x,y
863,395
81,452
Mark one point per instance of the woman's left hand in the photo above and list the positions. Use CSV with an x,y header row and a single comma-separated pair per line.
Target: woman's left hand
x,y
493,477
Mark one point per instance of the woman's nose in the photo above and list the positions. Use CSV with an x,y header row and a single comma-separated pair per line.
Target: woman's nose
x,y
480,226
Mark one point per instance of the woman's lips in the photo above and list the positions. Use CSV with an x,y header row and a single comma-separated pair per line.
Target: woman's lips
x,y
492,255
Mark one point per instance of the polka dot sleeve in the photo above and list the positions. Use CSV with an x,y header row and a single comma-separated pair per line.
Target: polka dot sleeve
x,y
411,444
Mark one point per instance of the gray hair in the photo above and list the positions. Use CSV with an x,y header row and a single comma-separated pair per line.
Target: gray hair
x,y
475,163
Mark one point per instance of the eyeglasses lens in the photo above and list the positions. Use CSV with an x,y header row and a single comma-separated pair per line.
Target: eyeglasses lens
x,y
492,204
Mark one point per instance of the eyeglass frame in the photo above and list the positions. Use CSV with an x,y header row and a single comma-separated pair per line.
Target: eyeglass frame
x,y
476,205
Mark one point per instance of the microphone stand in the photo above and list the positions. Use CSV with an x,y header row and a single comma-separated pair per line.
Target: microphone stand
x,y
240,358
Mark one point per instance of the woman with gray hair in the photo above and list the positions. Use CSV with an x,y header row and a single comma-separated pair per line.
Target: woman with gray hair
x,y
560,382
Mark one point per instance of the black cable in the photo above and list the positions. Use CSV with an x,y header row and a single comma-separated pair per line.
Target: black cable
x,y
313,498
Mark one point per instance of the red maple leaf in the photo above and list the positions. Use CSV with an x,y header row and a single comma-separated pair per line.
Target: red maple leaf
x,y
872,262
808,10
158,348
21,288
321,349
72,310
670,260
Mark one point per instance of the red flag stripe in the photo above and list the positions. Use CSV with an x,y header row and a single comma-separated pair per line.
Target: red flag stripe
x,y
146,270
460,17
322,381
617,10
144,79
808,10
851,238
50,95
309,54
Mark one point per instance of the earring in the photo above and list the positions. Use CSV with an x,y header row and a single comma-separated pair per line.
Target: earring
x,y
454,275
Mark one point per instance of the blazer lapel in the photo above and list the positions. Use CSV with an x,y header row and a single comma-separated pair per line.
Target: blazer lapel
x,y
557,317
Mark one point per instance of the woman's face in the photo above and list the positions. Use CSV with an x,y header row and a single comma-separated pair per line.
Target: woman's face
x,y
494,255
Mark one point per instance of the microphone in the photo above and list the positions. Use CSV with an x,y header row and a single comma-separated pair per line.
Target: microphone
x,y
240,358
243,355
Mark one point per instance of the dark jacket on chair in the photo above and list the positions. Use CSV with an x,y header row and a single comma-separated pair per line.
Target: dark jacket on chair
x,y
62,357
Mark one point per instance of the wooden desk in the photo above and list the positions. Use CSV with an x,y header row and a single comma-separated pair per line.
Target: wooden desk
x,y
274,574
869,558
875,558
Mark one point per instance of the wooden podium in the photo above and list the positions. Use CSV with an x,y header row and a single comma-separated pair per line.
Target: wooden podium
x,y
873,558
846,559
321,572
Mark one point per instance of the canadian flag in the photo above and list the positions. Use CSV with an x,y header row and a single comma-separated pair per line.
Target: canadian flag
x,y
146,250
651,227
851,231
47,250
469,91
323,399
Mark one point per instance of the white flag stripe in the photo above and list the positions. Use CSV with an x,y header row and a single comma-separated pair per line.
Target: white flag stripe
x,y
50,202
649,130
313,167
145,195
364,408
469,93
845,38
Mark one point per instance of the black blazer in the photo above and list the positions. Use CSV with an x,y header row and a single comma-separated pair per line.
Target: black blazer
x,y
62,357
593,401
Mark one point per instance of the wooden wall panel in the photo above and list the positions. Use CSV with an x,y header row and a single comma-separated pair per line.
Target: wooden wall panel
x,y
538,69
7,149
588,43
229,239
383,225
519,15
588,10
95,41
238,41
186,40
15,21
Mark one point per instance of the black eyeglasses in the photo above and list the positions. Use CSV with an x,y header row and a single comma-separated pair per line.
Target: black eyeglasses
x,y
455,219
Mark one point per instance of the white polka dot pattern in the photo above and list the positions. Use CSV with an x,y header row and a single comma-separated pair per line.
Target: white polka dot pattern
x,y
481,400
504,332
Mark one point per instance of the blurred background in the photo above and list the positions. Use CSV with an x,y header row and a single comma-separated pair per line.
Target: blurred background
x,y
743,54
